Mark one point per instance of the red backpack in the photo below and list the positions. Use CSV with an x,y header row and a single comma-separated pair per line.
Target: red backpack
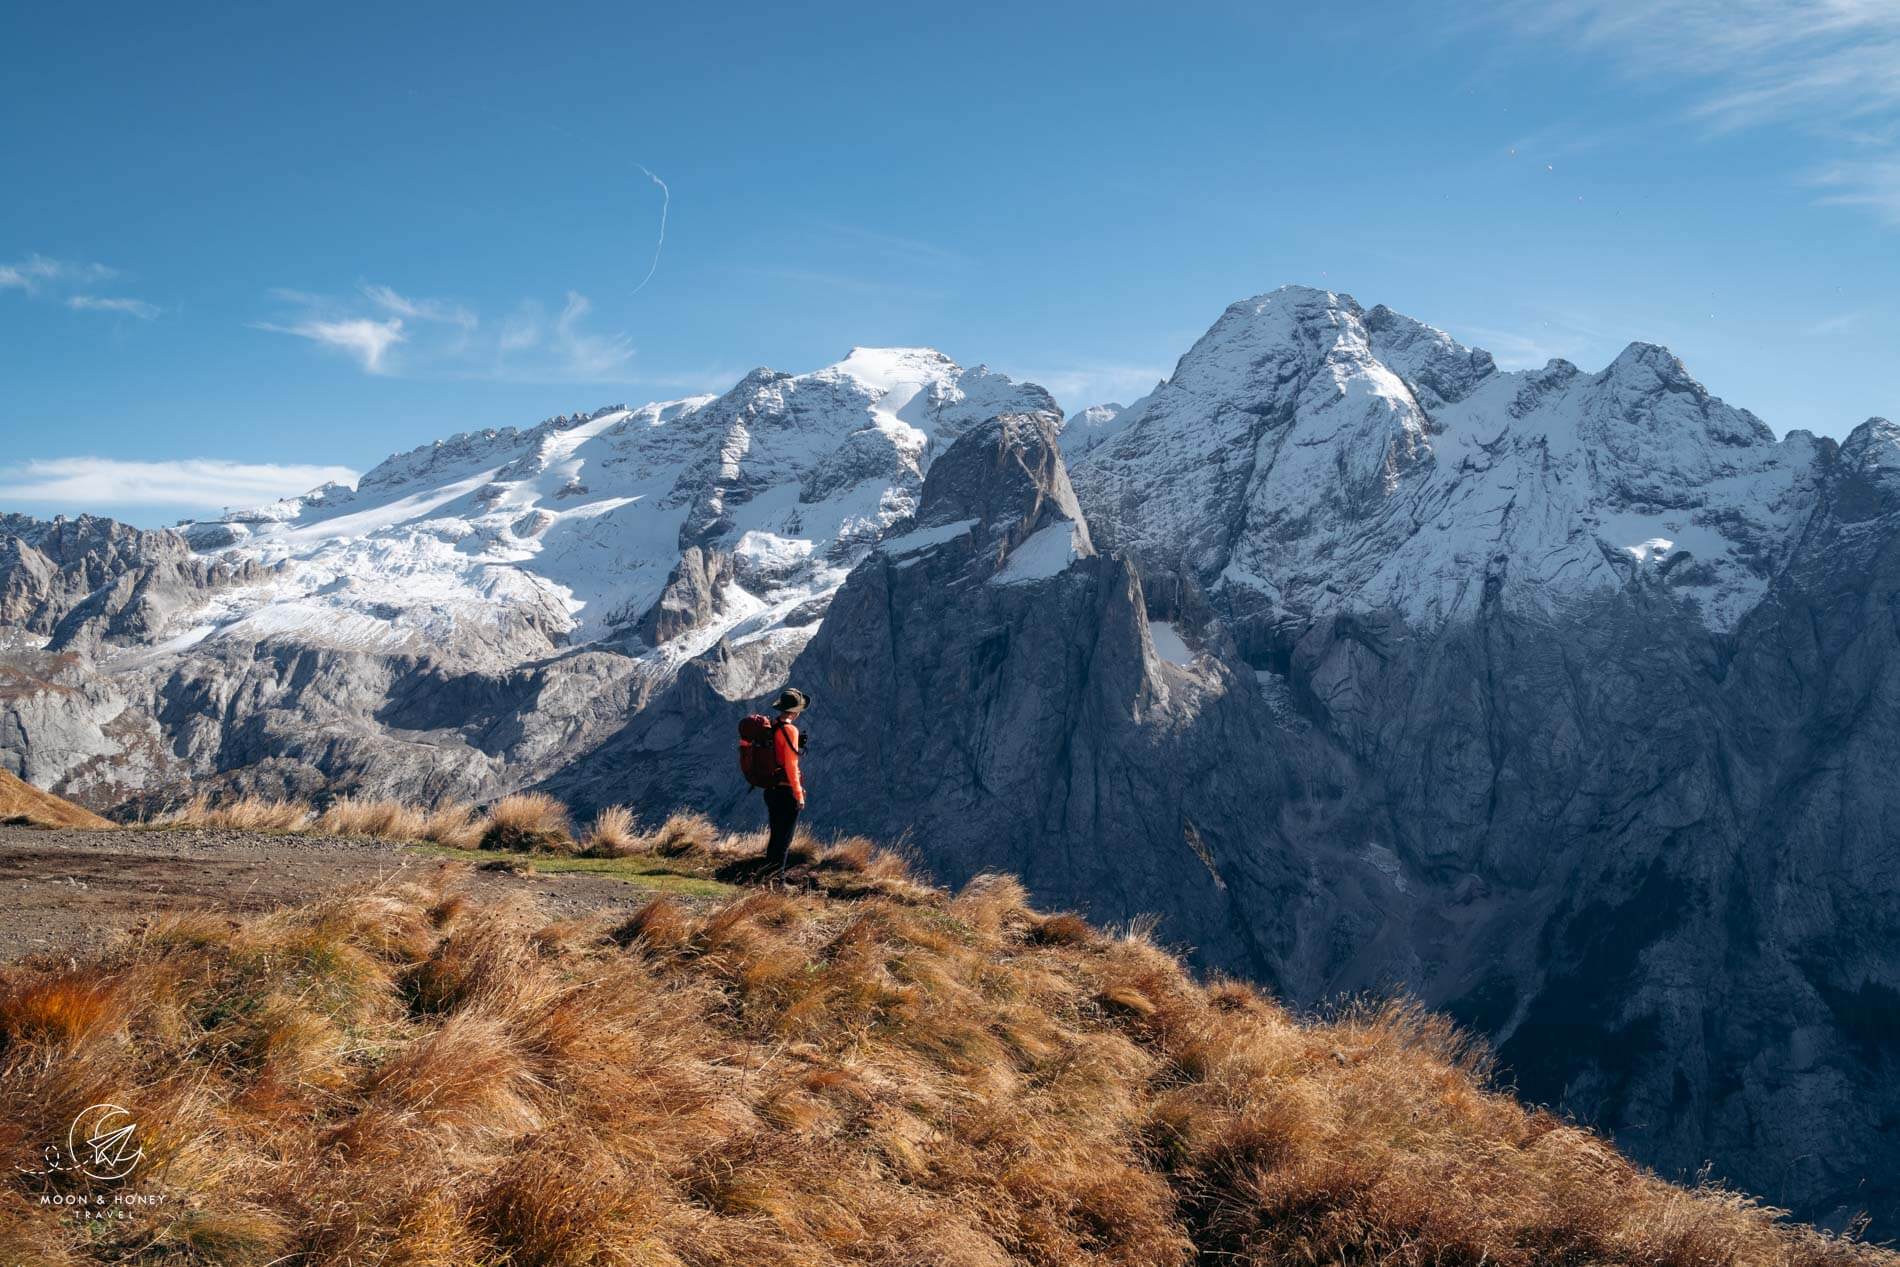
x,y
758,751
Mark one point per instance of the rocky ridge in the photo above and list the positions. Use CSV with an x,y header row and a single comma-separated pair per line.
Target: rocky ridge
x,y
1565,701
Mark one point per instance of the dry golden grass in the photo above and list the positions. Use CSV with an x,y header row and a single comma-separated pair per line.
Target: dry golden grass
x,y
401,1076
527,821
21,801
362,816
455,824
685,835
244,813
613,834
1061,930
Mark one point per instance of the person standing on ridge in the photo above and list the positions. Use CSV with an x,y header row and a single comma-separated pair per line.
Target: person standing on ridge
x,y
768,755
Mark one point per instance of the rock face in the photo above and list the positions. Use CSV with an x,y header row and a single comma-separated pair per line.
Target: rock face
x,y
1613,673
695,596
989,686
477,612
47,568
1566,701
991,682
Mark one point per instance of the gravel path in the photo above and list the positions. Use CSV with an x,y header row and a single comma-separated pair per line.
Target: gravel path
x,y
63,889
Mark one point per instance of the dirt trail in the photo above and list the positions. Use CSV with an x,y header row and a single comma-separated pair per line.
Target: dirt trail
x,y
64,889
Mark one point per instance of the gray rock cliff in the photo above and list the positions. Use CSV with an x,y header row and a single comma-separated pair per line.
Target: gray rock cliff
x,y
1566,701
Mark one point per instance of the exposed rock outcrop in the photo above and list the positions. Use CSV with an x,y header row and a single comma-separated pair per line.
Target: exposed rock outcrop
x,y
1566,701
695,595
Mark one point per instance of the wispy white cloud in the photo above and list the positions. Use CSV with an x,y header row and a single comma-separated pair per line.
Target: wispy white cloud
x,y
113,303
1828,66
522,331
42,277
533,347
193,483
443,338
366,340
421,309
893,247
588,355
1872,182
1080,385
1828,327
1511,350
1546,334
36,271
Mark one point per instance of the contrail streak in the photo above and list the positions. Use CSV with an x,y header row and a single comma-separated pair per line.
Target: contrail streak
x,y
666,200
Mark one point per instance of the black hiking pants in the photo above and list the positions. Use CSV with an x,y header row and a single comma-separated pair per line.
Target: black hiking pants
x,y
781,809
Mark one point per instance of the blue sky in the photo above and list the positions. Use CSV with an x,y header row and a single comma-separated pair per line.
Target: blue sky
x,y
244,251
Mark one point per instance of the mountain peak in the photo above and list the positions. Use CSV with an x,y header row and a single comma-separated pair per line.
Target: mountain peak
x,y
1315,454
1652,359
1293,304
1873,445
1005,471
1296,293
885,368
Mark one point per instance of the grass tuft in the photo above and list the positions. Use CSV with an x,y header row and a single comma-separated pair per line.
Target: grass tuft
x,y
685,835
613,834
529,822
383,818
65,1009
244,813
455,824
1061,930
661,925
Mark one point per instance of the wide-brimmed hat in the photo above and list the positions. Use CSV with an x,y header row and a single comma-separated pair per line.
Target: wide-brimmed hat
x,y
791,698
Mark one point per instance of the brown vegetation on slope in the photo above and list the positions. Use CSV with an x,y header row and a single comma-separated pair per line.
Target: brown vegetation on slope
x,y
397,1076
20,800
534,823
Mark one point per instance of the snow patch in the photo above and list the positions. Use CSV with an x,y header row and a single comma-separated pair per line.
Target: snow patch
x,y
924,538
1387,864
1278,692
1048,552
1168,642
768,554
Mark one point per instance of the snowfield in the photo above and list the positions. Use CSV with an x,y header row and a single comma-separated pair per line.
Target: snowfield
x,y
1321,457
1306,456
501,545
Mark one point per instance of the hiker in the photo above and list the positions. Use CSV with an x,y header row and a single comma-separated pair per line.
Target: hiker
x,y
768,754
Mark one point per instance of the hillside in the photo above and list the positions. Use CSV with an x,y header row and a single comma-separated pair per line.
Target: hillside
x,y
1563,699
22,801
398,1074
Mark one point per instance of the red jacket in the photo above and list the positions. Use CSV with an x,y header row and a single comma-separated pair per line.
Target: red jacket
x,y
785,740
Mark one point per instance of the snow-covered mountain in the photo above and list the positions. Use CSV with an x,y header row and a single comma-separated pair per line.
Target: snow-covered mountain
x,y
1089,427
1308,456
476,610
1567,701
504,544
